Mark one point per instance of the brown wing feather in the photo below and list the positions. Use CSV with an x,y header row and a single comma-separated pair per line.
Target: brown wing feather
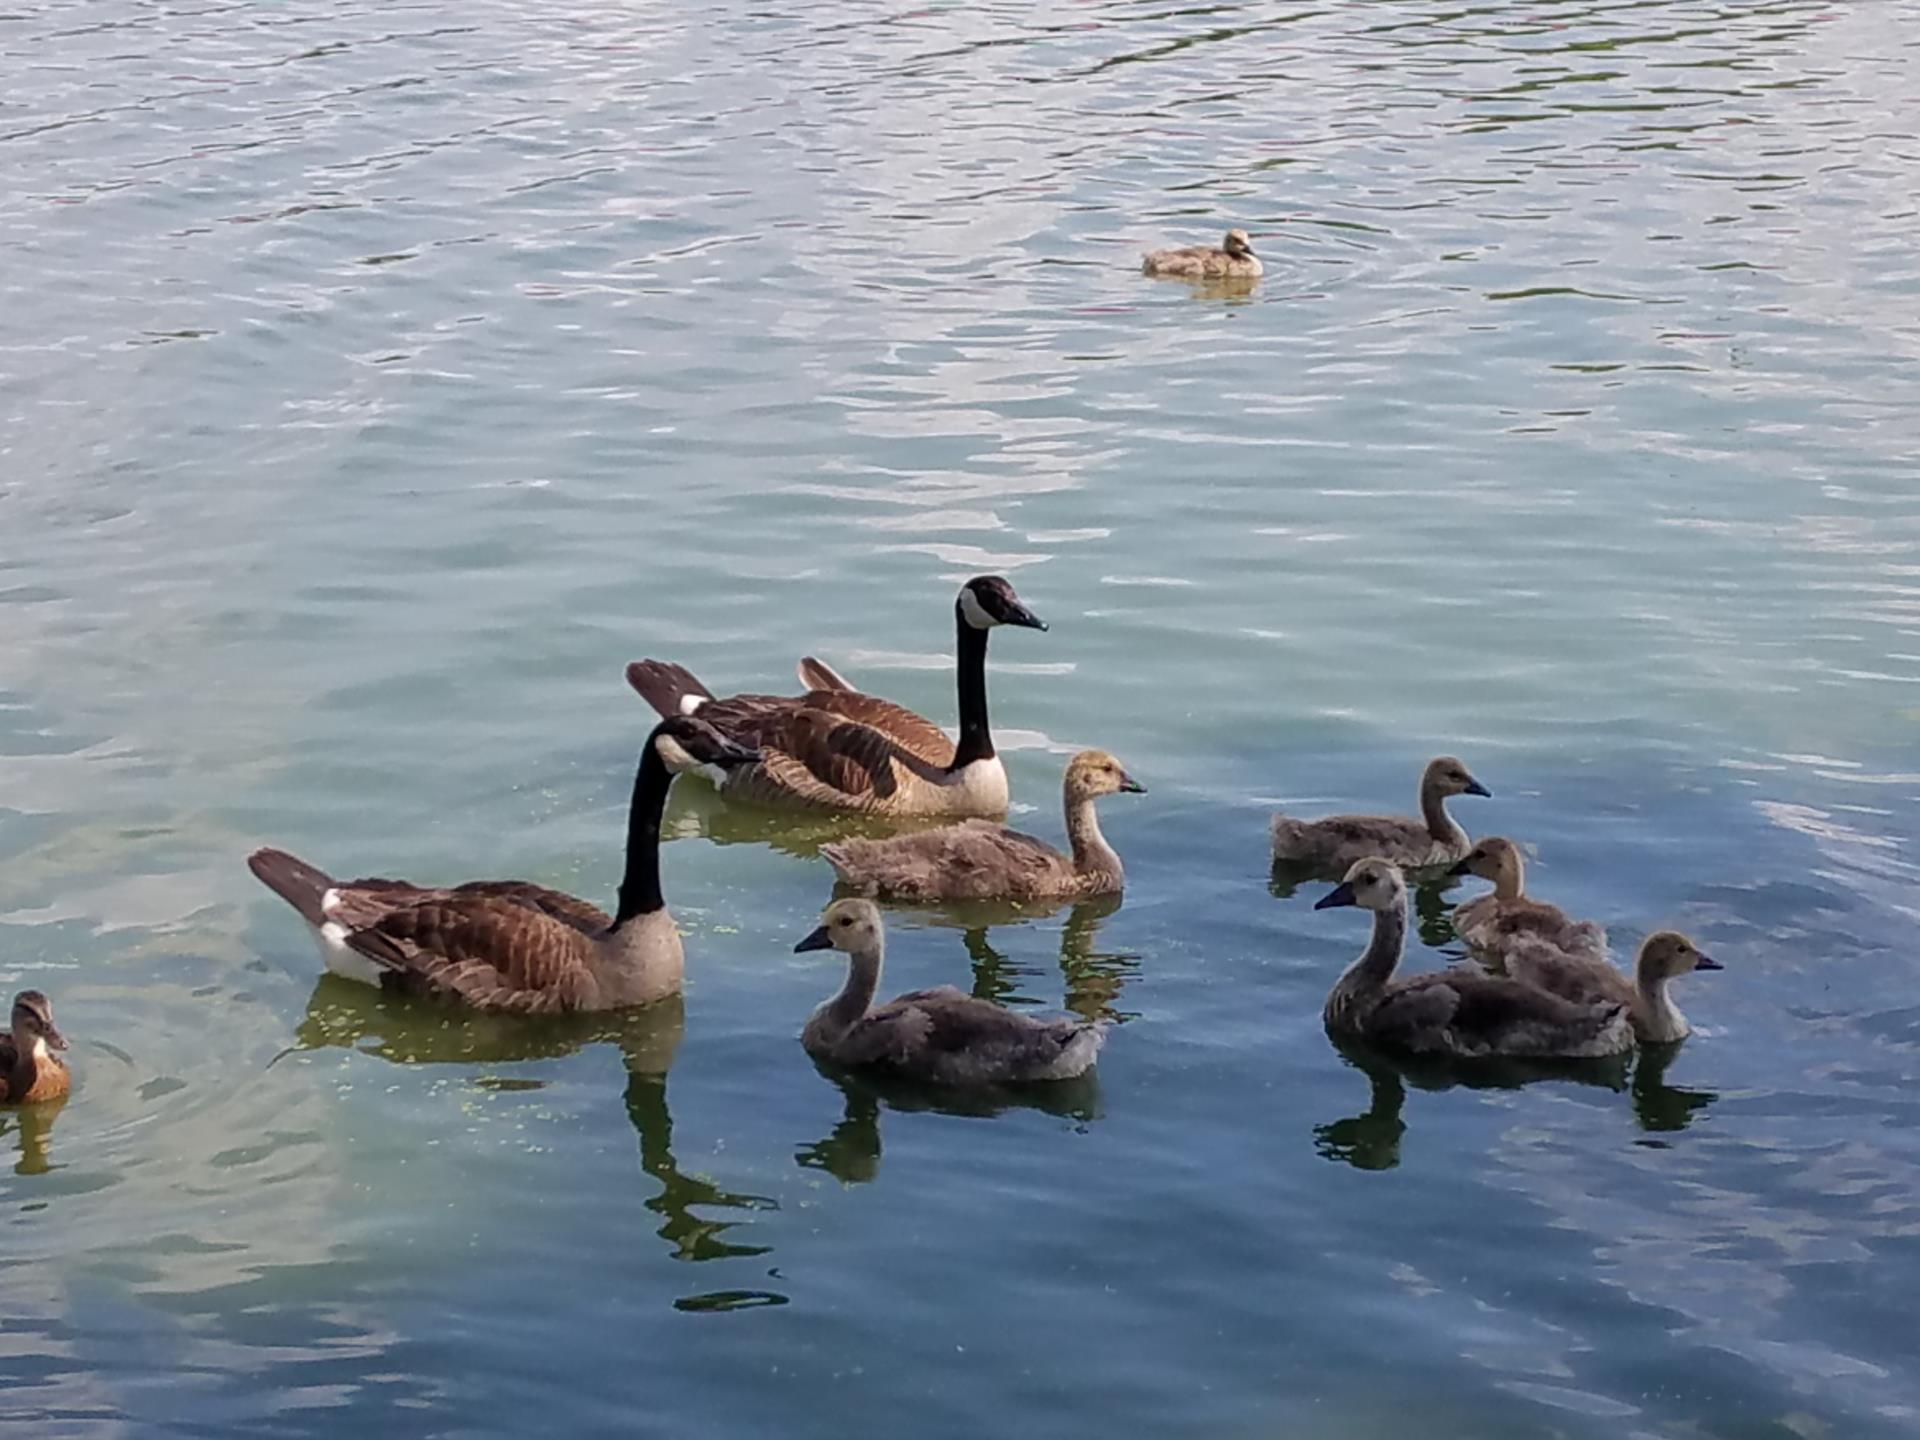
x,y
492,952
915,734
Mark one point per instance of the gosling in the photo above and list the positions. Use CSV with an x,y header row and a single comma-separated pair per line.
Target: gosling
x,y
941,1037
1337,842
1664,956
1234,260
979,860
1491,924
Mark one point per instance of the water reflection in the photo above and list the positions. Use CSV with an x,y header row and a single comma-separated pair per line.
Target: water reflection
x,y
850,1152
1659,1107
343,1014
1092,978
1371,1139
33,1125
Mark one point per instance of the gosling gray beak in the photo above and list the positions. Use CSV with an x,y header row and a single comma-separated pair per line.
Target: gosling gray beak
x,y
1464,867
1474,787
1706,962
1341,894
1131,786
818,940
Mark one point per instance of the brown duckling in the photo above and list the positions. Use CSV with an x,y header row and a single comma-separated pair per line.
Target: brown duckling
x,y
1664,956
29,1072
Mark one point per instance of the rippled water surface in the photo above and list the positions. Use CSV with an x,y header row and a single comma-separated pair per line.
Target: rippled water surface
x,y
379,378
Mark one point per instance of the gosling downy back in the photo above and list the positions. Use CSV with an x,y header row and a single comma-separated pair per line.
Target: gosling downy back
x,y
978,860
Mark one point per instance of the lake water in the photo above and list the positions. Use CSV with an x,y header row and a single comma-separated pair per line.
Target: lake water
x,y
380,378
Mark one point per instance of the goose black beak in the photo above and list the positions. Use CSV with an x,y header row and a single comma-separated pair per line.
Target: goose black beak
x,y
1474,787
818,940
1018,614
1707,962
1131,786
1464,867
1341,894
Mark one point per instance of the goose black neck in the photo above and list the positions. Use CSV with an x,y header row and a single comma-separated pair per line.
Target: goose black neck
x,y
640,885
976,741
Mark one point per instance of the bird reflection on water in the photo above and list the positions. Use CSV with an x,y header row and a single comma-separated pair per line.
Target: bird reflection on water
x,y
34,1126
1371,1140
407,1032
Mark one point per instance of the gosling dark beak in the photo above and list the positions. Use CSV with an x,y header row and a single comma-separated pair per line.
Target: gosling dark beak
x,y
1707,962
1131,786
1018,614
55,1040
818,940
1464,867
1474,787
1341,894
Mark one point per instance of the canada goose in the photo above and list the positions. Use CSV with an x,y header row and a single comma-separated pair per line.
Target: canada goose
x,y
1234,258
29,1071
943,1036
1461,1012
1664,956
1490,924
1336,842
979,860
835,748
508,944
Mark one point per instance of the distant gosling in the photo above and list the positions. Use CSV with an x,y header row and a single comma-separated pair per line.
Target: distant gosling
x,y
1233,260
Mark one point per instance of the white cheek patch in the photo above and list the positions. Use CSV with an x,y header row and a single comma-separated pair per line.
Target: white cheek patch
x,y
691,703
675,755
974,612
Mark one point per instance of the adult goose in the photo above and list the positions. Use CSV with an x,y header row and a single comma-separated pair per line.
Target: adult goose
x,y
1587,979
943,1036
1233,260
837,749
1336,842
509,945
979,860
1492,924
1462,1012
29,1071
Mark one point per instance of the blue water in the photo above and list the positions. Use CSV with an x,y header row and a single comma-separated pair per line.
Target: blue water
x,y
379,379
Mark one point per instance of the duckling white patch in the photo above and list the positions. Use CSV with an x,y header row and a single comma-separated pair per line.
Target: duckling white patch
x,y
40,1051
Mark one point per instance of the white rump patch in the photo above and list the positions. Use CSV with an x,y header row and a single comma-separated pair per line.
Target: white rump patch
x,y
974,612
341,958
691,703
